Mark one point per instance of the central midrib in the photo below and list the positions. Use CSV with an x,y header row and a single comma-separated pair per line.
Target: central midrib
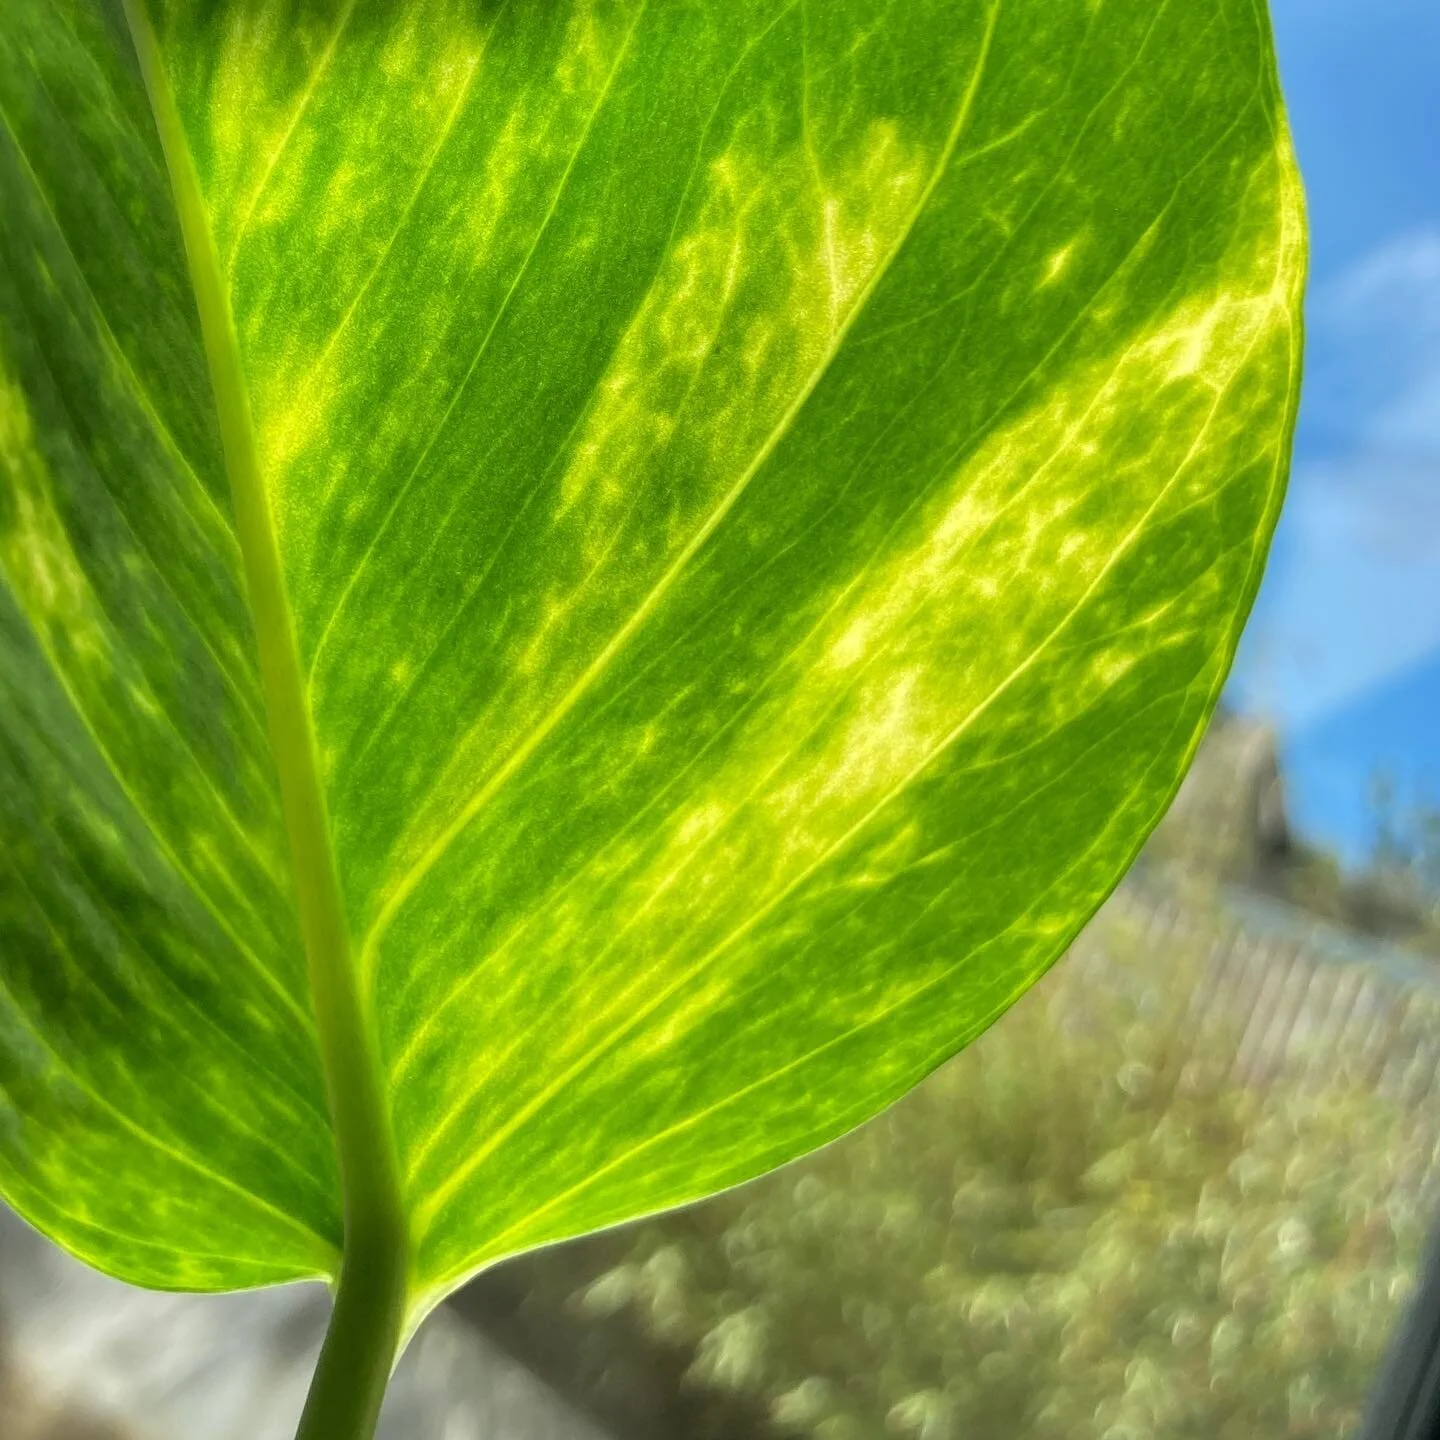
x,y
374,1216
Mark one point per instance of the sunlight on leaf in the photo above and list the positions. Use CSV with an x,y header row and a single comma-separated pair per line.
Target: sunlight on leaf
x,y
765,499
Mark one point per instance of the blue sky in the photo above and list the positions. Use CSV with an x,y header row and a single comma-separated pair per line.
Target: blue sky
x,y
1343,649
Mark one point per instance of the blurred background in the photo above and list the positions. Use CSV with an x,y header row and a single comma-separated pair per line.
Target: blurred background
x,y
1184,1188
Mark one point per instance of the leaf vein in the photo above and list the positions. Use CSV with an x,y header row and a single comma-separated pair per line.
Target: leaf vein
x,y
191,881
436,1198
474,364
312,84
125,1121
401,890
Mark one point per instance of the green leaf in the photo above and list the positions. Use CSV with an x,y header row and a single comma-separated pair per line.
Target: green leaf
x,y
674,550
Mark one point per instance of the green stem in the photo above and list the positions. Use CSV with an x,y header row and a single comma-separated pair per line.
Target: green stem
x,y
354,1369
371,1294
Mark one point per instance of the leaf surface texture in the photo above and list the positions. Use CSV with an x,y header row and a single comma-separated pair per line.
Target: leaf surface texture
x,y
767,493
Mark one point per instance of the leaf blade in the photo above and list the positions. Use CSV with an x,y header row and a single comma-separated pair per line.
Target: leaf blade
x,y
152,992
767,497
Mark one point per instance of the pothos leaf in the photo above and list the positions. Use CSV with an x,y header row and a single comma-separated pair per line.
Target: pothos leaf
x,y
760,498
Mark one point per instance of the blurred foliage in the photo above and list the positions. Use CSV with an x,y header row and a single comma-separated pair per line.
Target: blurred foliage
x,y
1407,850
1230,823
1081,1228
1117,1216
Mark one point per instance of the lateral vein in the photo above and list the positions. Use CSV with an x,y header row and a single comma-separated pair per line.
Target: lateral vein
x,y
148,1137
181,870
312,83
405,886
437,1197
464,384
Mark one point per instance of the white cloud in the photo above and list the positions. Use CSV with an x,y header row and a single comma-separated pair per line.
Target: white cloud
x,y
1387,281
1375,348
1353,597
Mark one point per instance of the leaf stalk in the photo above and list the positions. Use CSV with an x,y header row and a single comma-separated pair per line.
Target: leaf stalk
x,y
372,1286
